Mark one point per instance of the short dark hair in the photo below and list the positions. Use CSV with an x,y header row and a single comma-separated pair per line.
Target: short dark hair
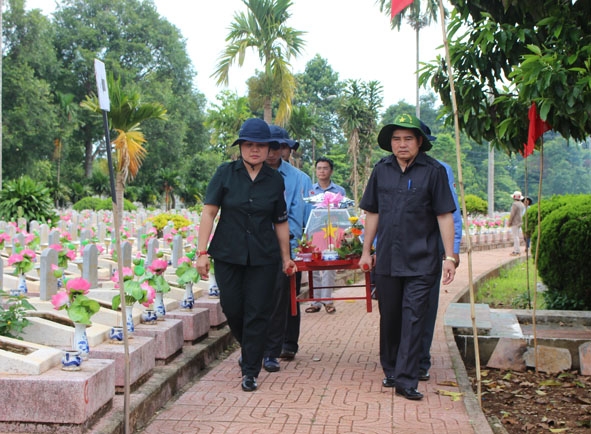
x,y
326,160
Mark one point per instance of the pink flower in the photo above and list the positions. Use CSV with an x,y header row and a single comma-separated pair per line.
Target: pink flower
x,y
57,247
15,258
28,253
330,200
71,255
158,266
60,300
4,237
184,259
150,294
127,275
78,284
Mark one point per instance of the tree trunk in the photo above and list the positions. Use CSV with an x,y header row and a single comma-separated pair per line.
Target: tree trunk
x,y
267,110
119,190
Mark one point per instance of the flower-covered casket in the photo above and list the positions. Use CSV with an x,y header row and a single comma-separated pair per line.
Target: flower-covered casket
x,y
328,220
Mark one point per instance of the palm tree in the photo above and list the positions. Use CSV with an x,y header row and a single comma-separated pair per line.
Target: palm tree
x,y
263,28
358,112
127,112
417,21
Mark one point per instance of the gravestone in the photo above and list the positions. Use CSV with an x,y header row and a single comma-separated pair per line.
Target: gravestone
x,y
44,235
54,237
47,280
85,235
33,227
152,251
90,265
177,250
126,254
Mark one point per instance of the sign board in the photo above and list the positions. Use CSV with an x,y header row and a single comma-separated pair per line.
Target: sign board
x,y
101,85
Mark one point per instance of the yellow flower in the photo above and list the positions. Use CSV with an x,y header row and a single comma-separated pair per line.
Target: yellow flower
x,y
353,219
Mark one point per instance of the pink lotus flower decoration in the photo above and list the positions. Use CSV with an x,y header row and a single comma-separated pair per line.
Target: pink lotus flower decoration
x,y
150,294
60,300
78,285
158,266
330,200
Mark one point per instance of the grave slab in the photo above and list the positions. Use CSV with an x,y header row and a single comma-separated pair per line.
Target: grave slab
x,y
508,355
195,323
216,316
168,336
585,358
21,357
57,396
550,359
142,358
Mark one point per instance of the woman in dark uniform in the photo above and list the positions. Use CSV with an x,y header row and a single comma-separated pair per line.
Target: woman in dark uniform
x,y
251,237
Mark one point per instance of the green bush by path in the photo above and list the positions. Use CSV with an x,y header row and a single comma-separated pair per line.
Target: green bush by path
x,y
98,204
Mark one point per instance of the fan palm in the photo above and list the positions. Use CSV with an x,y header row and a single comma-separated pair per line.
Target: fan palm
x,y
417,21
127,112
263,28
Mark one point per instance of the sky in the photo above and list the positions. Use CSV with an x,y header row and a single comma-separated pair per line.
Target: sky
x,y
352,35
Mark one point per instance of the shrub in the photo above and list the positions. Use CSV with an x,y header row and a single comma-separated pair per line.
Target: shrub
x,y
98,204
13,311
565,248
25,198
476,205
161,220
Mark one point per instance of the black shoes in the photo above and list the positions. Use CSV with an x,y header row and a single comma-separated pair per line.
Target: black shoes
x,y
424,375
409,393
287,355
388,382
249,383
271,364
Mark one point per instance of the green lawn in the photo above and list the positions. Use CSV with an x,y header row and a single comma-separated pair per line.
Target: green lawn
x,y
510,289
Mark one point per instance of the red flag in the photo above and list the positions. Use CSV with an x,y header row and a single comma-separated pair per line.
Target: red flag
x,y
537,127
398,5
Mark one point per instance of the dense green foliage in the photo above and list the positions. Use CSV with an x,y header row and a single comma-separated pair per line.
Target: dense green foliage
x,y
565,248
97,204
25,198
475,205
13,311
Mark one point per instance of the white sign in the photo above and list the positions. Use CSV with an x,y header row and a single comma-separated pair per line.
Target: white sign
x,y
101,84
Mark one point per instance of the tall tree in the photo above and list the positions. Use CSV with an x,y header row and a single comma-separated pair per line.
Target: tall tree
x,y
127,112
263,28
417,20
358,112
137,45
507,54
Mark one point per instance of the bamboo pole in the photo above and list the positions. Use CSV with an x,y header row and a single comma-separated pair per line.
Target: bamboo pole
x,y
462,200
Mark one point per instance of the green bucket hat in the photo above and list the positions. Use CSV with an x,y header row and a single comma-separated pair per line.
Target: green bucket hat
x,y
402,121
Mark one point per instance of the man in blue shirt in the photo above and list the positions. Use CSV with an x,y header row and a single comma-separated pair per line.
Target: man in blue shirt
x,y
283,330
429,326
324,279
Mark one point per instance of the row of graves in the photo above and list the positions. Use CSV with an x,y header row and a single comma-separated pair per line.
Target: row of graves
x,y
64,373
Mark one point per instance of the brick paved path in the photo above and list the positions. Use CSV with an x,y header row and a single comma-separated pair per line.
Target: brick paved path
x,y
334,384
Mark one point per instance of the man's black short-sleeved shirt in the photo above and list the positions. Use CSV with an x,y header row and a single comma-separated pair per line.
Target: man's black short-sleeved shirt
x,y
408,204
245,232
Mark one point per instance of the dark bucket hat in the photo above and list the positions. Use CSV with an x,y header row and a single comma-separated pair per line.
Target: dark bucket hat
x,y
255,130
427,131
282,136
403,121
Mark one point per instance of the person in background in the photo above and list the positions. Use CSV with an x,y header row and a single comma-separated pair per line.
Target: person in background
x,y
429,327
324,279
280,337
251,238
515,221
409,203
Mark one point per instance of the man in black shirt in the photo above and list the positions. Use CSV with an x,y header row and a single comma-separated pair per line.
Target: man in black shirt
x,y
408,202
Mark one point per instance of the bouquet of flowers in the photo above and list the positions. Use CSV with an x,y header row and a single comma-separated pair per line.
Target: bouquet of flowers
x,y
305,244
156,277
186,272
351,245
22,261
65,253
3,238
135,290
79,307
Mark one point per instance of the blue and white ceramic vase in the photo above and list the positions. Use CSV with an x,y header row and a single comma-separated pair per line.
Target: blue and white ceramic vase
x,y
189,299
22,284
116,335
71,360
159,306
81,340
129,318
149,316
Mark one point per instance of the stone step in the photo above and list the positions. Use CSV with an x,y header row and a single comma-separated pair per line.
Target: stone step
x,y
458,316
505,325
